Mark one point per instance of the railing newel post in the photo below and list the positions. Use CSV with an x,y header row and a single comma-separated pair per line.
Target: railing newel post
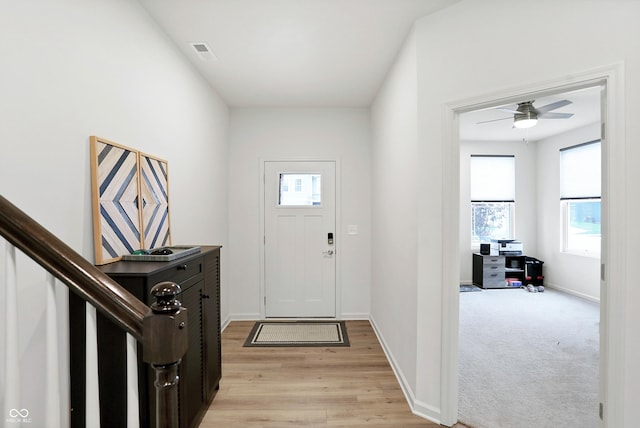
x,y
165,341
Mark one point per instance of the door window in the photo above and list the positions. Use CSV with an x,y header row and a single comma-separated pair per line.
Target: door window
x,y
300,190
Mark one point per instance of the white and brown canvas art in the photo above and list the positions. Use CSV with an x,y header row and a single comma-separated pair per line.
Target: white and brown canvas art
x,y
130,200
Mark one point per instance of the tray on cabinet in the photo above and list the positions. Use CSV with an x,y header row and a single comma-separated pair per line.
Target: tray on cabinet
x,y
177,251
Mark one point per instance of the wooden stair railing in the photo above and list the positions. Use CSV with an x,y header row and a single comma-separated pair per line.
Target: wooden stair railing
x,y
162,329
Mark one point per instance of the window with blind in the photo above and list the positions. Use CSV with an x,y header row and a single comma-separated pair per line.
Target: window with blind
x,y
580,177
492,197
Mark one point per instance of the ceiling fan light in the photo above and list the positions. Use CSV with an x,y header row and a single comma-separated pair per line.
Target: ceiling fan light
x,y
526,118
525,123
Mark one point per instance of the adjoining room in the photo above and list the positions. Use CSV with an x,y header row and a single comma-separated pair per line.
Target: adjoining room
x,y
530,249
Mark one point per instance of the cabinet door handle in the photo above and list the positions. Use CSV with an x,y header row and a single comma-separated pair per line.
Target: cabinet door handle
x,y
182,267
206,296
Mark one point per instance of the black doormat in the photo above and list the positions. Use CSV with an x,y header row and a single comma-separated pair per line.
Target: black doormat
x,y
467,287
298,333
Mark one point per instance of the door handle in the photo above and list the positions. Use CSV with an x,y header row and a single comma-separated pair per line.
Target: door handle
x,y
328,253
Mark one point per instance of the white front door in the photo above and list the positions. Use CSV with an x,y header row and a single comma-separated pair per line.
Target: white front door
x,y
300,267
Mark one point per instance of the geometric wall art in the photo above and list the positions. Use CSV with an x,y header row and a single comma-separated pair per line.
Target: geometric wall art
x,y
154,192
130,200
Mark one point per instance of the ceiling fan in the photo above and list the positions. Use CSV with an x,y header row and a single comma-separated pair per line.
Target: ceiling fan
x,y
526,115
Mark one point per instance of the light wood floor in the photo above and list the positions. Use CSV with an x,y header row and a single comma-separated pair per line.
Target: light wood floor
x,y
308,387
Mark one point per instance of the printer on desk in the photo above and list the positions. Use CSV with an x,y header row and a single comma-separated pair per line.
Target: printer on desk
x,y
505,247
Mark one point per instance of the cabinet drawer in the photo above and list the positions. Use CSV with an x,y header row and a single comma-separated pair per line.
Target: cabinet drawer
x,y
492,270
493,281
183,271
493,260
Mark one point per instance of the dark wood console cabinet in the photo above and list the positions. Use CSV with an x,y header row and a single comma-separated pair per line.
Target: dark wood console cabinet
x,y
200,370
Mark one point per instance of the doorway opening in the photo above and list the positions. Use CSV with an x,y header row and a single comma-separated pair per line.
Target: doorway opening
x,y
536,221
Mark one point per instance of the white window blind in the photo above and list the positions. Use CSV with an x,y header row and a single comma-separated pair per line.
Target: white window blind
x,y
580,171
493,178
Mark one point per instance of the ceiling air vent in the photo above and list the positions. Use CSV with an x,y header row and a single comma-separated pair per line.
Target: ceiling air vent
x,y
203,51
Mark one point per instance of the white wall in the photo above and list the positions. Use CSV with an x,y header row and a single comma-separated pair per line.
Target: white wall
x,y
71,69
299,133
525,215
575,274
394,176
468,51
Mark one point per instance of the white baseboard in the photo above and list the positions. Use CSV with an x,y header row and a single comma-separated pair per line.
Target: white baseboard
x,y
256,317
355,317
426,411
573,292
417,408
224,323
245,317
237,317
